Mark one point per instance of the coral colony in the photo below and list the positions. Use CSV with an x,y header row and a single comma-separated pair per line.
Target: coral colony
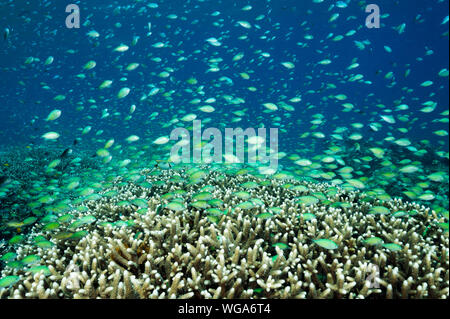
x,y
214,233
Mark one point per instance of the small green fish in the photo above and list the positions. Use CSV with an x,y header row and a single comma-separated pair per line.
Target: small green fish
x,y
65,218
30,259
250,185
214,211
215,202
246,205
202,196
242,195
326,243
213,218
379,210
140,202
444,226
29,220
16,240
38,269
62,235
79,234
8,281
373,241
264,215
307,200
44,244
50,226
175,206
281,245
392,246
39,238
8,256
200,204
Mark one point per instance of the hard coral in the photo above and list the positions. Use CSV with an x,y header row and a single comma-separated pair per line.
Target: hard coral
x,y
184,254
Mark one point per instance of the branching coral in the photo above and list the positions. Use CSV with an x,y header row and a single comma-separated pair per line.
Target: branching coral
x,y
168,253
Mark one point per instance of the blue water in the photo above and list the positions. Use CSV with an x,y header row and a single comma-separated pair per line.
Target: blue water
x,y
39,30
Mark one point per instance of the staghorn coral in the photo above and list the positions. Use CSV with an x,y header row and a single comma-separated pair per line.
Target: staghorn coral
x,y
184,254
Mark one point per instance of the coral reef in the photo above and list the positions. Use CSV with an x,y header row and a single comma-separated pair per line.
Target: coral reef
x,y
28,174
138,245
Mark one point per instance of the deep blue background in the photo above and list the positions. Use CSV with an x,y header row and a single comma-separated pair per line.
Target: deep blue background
x,y
38,30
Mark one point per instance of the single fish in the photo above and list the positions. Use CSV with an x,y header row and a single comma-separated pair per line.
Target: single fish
x,y
3,180
66,152
6,33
